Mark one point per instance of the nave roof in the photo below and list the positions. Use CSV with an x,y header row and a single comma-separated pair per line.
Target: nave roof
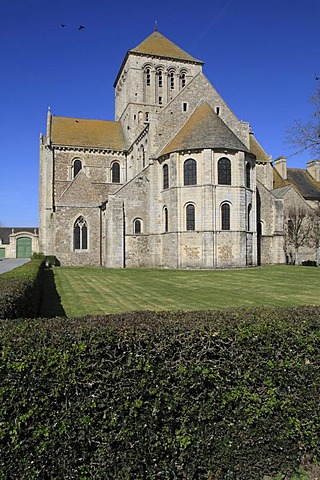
x,y
80,132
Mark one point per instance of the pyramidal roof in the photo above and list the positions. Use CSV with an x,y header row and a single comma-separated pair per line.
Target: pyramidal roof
x,y
159,46
204,129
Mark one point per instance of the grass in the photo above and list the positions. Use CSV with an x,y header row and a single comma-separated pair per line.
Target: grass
x,y
94,291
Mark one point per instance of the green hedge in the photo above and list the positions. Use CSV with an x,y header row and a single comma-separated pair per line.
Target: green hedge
x,y
21,290
197,395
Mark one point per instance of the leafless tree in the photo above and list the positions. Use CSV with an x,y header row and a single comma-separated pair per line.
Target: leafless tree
x,y
306,136
298,230
316,233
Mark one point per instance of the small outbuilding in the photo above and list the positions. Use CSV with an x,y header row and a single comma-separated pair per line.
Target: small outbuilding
x,y
18,242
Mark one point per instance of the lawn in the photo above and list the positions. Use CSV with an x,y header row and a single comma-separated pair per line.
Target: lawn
x,y
94,291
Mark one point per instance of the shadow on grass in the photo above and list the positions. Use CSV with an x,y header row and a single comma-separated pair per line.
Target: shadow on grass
x,y
51,302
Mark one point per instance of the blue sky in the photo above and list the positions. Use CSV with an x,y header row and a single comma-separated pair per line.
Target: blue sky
x,y
262,58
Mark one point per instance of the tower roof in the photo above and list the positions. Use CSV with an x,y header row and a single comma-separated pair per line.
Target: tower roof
x,y
160,46
204,129
157,45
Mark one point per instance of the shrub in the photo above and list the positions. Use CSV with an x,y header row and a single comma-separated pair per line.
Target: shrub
x,y
52,260
195,395
21,290
309,263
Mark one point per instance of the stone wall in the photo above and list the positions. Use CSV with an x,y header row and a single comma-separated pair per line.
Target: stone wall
x,y
65,218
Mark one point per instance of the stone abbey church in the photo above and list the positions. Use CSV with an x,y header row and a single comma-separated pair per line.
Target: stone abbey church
x,y
176,181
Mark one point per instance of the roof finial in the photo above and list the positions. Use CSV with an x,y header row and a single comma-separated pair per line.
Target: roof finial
x,y
156,26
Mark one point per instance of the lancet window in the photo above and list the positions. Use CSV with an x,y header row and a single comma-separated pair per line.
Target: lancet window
x,y
190,217
80,234
77,166
248,175
225,216
165,176
166,219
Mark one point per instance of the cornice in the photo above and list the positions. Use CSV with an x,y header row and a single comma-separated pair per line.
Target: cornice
x,y
96,150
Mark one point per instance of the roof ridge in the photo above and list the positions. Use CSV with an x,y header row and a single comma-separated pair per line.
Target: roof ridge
x,y
85,119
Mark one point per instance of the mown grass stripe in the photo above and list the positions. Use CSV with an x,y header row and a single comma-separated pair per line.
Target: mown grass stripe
x,y
92,291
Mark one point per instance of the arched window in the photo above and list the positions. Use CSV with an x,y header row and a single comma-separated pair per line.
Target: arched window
x,y
142,155
183,79
190,172
147,116
249,217
171,80
77,166
80,234
190,217
160,78
148,76
140,117
165,176
137,226
165,219
115,172
248,174
225,216
224,171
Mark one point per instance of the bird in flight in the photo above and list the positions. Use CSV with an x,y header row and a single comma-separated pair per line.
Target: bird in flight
x,y
81,27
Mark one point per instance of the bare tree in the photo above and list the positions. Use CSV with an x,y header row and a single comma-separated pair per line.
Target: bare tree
x,y
306,136
298,230
316,233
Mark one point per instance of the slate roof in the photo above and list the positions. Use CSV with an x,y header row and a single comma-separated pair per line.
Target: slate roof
x,y
304,183
82,132
301,180
279,192
204,129
6,231
160,46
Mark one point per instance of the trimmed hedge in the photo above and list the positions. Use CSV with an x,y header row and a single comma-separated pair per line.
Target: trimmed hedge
x,y
21,290
195,395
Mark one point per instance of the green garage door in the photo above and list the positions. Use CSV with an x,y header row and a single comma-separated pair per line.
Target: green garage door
x,y
23,247
2,252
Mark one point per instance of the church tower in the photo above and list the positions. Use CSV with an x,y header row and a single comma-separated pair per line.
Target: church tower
x,y
151,75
